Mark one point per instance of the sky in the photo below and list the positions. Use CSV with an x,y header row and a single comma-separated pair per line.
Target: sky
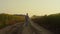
x,y
32,7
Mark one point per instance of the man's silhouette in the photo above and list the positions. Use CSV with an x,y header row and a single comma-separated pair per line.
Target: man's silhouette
x,y
26,19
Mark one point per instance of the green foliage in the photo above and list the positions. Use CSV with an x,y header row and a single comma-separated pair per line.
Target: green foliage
x,y
7,19
50,22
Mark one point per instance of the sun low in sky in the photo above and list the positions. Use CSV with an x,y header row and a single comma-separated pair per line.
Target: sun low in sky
x,y
33,7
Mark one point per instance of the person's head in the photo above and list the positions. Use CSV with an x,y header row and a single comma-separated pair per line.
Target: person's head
x,y
27,14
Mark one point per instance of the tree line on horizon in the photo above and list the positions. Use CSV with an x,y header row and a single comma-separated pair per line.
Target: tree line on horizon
x,y
50,22
8,19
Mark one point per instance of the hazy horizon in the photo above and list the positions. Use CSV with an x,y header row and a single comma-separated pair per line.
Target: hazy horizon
x,y
33,7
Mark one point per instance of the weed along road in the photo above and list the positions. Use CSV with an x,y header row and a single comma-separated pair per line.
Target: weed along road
x,y
25,28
